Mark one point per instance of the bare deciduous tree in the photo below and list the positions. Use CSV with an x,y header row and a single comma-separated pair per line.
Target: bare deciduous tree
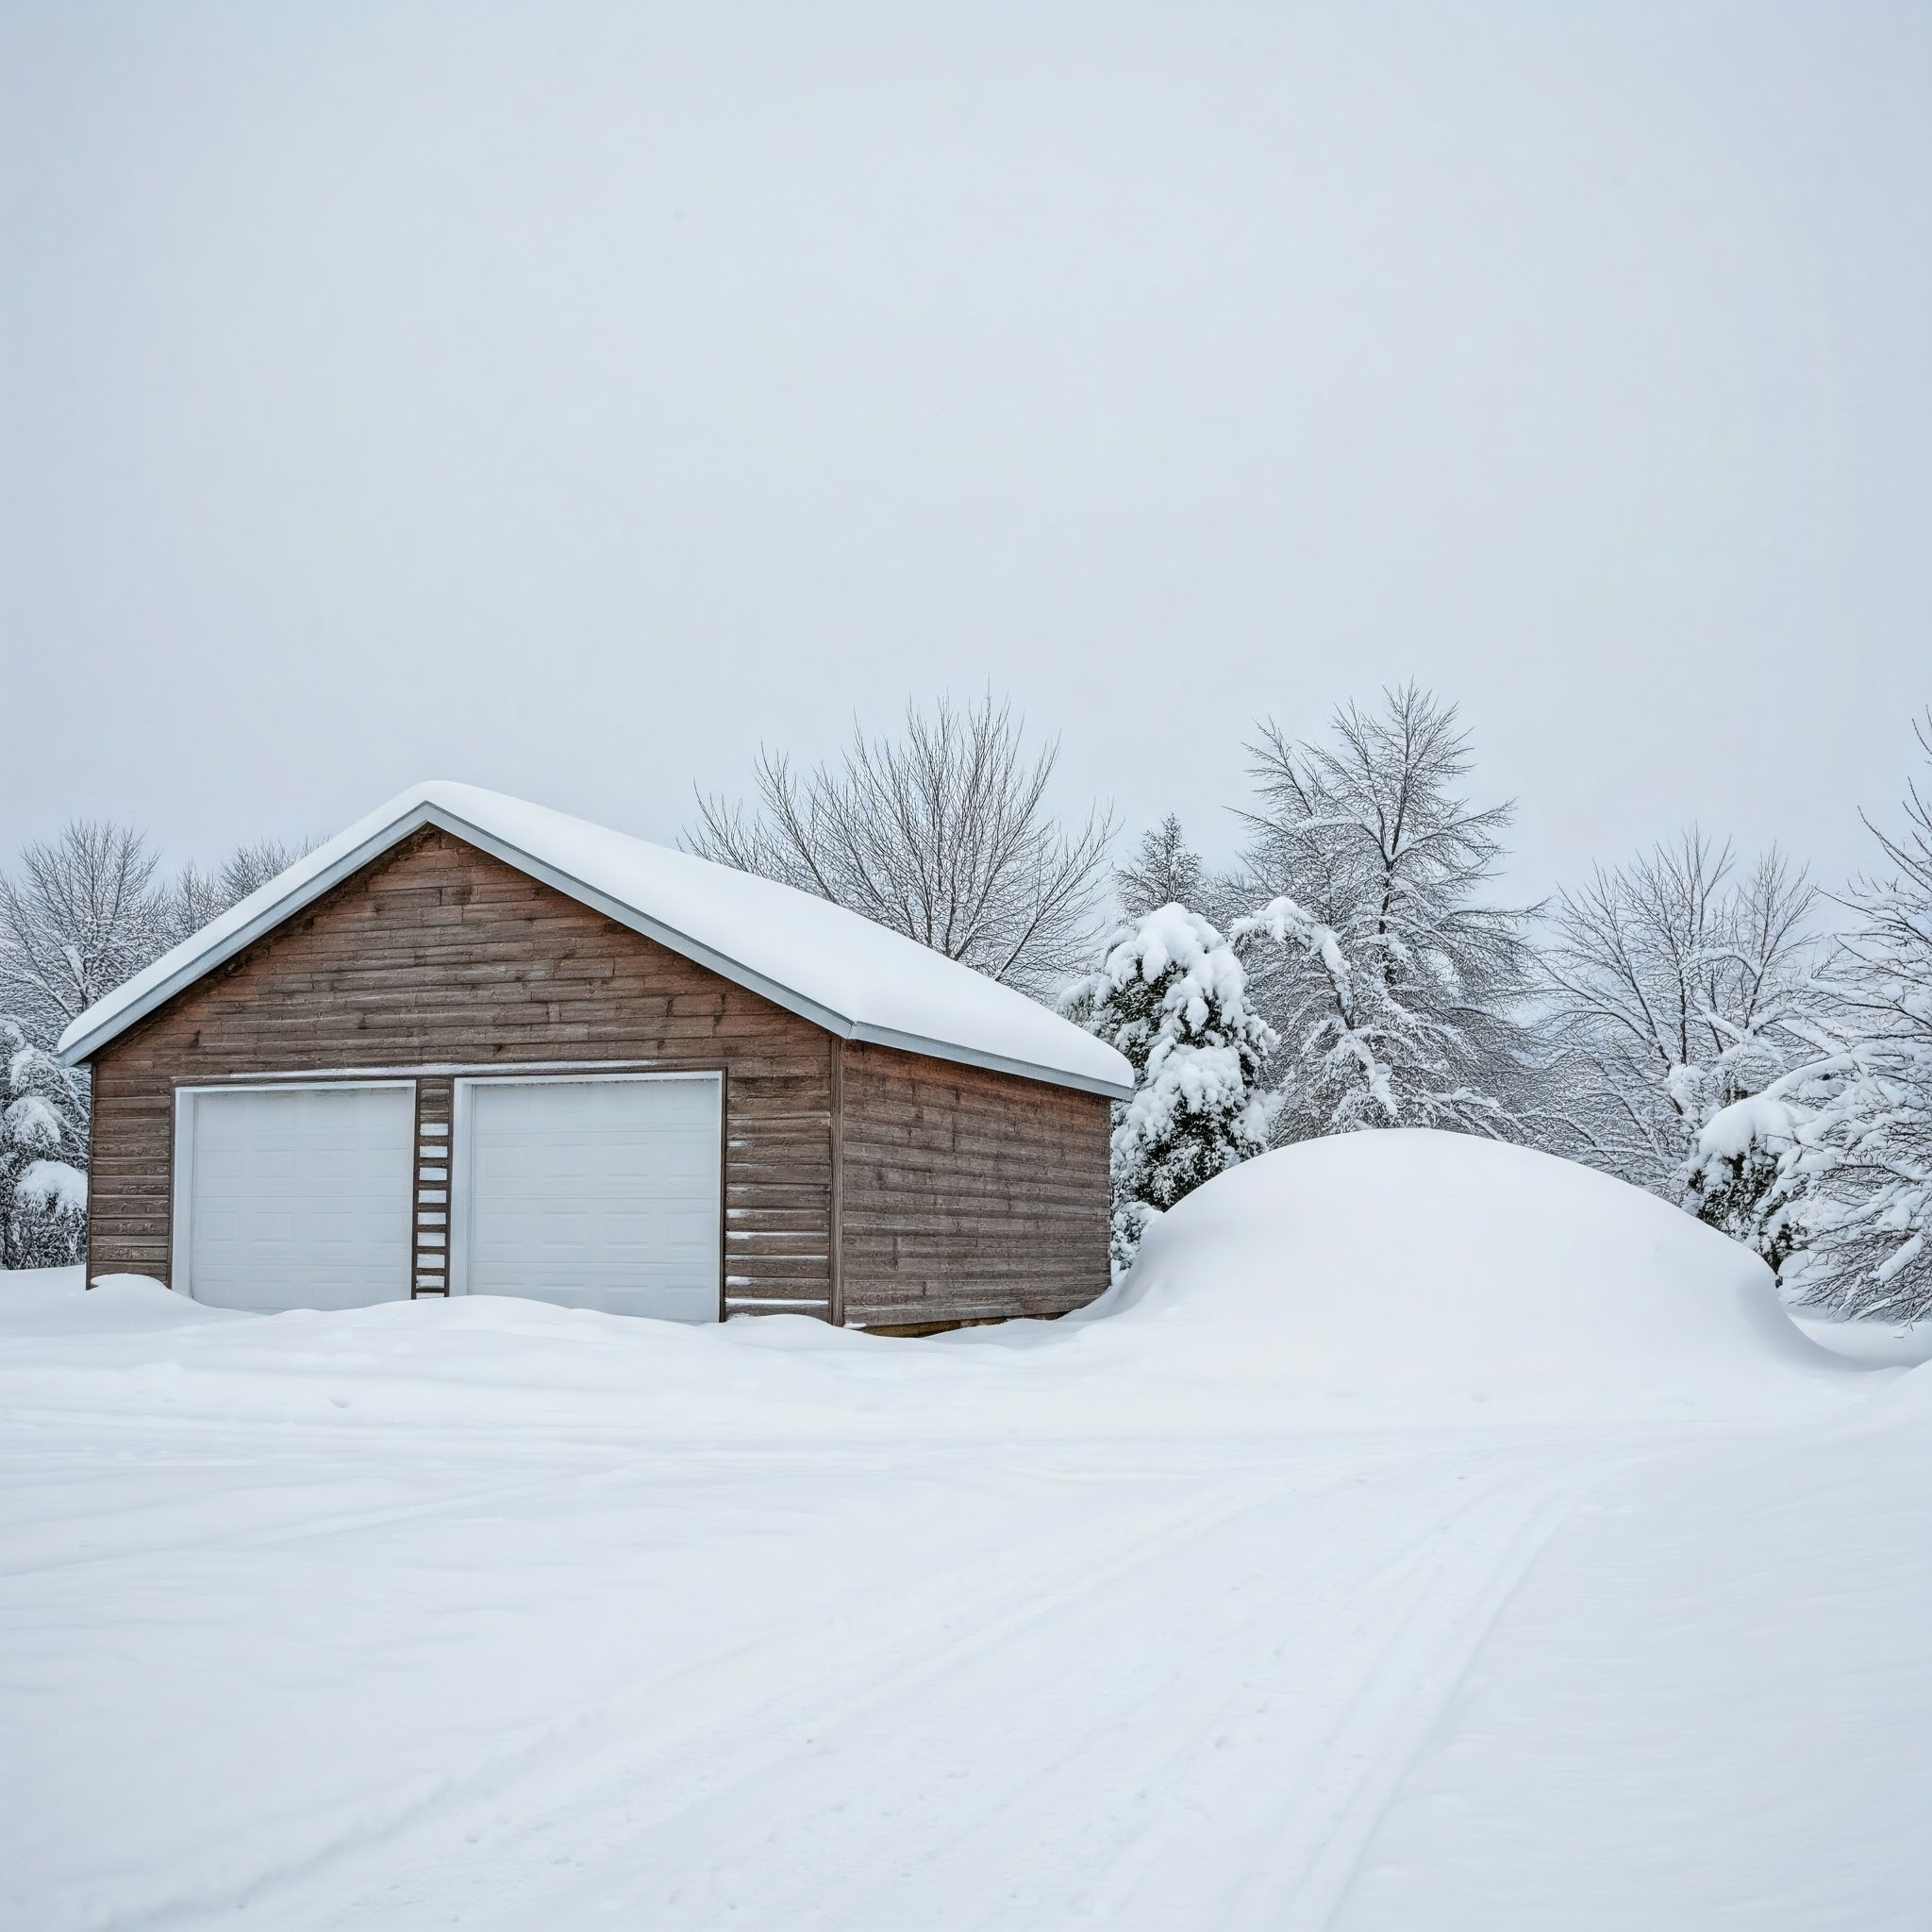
x,y
82,915
1678,988
944,835
201,896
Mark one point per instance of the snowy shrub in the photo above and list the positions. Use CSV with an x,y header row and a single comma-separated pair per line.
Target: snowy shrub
x,y
1172,996
1828,1175
42,1138
1857,1168
47,1226
1396,995
1742,1176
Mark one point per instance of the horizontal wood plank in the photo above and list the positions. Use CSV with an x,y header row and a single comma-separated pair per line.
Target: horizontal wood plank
x,y
968,1194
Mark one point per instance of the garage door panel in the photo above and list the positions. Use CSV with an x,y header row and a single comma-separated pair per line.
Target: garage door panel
x,y
596,1194
299,1197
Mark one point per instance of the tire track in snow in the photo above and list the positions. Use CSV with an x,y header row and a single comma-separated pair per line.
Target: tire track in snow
x,y
749,1687
688,1818
1205,1808
1302,1879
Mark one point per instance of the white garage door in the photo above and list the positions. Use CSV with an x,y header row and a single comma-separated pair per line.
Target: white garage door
x,y
599,1194
297,1198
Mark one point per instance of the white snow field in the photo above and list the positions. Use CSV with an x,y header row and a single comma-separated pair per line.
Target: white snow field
x,y
1428,1535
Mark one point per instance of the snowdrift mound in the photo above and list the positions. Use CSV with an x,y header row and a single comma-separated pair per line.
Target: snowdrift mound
x,y
1391,1279
1419,1264
54,1302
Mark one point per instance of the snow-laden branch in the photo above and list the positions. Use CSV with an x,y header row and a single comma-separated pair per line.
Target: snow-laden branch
x,y
1362,923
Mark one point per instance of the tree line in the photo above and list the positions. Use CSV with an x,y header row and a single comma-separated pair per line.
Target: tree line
x,y
80,915
1681,1019
1685,1018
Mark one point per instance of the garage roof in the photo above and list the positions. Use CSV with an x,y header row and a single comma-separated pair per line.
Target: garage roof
x,y
835,968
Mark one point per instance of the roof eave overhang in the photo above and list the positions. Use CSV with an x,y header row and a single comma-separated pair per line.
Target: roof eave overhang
x,y
200,964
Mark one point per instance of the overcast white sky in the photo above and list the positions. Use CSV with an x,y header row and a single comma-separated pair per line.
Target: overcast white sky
x,y
565,398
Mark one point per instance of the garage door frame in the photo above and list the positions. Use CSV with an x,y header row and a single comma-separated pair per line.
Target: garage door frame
x,y
181,1163
460,1147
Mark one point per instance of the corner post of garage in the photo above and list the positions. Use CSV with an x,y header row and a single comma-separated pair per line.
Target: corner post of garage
x,y
836,1227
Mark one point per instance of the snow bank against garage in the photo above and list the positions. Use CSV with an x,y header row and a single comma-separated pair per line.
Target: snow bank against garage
x,y
1389,1279
53,1304
1435,1271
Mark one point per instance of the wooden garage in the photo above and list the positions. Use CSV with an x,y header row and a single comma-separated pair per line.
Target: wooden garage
x,y
475,1046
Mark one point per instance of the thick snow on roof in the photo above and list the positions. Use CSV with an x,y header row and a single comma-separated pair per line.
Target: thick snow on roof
x,y
840,970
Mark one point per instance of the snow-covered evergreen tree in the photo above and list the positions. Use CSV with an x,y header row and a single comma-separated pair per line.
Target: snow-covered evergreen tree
x,y
1397,993
1166,871
1172,996
43,1151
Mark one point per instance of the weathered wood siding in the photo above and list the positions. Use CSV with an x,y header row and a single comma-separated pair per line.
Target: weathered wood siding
x,y
967,1194
438,954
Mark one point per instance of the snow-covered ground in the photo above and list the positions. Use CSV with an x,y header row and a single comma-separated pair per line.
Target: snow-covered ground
x,y
1428,1535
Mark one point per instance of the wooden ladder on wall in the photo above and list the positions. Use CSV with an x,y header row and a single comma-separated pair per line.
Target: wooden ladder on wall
x,y
431,1257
